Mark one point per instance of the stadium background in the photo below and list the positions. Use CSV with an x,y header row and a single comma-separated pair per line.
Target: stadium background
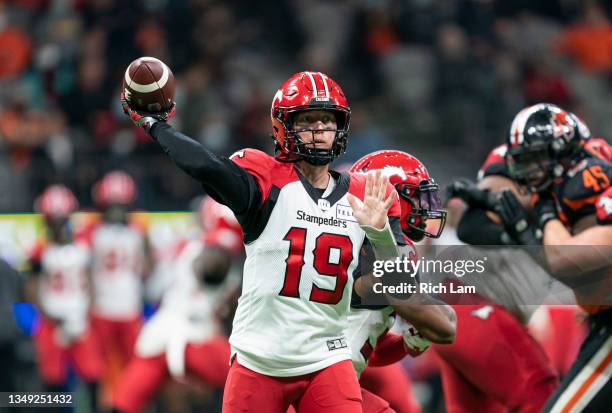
x,y
441,79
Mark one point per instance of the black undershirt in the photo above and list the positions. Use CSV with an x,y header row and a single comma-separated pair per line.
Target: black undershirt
x,y
222,179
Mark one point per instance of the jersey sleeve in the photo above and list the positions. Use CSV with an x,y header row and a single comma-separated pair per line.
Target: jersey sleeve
x,y
260,166
603,208
225,181
495,164
583,187
389,349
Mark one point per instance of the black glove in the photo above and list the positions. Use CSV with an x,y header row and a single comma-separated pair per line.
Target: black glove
x,y
545,208
469,192
515,219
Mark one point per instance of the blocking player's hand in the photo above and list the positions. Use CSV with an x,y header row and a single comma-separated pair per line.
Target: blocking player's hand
x,y
469,193
372,212
414,341
515,219
146,120
545,208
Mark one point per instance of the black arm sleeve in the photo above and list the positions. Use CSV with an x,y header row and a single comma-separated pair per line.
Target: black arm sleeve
x,y
476,228
221,178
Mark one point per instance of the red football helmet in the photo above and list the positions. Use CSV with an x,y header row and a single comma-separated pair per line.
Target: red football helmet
x,y
308,91
56,201
221,228
417,190
116,187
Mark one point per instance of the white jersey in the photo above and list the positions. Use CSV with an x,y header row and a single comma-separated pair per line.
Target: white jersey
x,y
63,287
118,258
301,251
364,329
186,314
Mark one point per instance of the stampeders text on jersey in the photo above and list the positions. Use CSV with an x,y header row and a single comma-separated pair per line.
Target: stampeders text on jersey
x,y
303,216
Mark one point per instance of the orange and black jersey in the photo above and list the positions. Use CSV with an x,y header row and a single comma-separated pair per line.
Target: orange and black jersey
x,y
580,190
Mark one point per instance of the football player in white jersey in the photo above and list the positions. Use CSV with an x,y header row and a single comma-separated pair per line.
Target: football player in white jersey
x,y
120,256
368,328
304,226
60,268
184,339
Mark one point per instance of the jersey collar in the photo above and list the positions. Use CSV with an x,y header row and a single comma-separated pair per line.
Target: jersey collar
x,y
341,188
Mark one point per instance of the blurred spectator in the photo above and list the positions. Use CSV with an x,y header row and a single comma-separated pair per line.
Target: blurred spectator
x,y
543,84
16,47
427,74
589,42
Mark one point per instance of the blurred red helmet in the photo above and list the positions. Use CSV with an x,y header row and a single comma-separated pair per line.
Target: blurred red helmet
x,y
56,201
418,192
116,187
221,228
308,91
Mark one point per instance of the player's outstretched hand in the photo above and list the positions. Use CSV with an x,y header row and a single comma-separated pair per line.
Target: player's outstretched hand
x,y
372,212
469,192
146,120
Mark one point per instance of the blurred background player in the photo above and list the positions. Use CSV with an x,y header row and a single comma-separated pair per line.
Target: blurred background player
x,y
547,156
185,339
478,377
371,342
61,270
120,262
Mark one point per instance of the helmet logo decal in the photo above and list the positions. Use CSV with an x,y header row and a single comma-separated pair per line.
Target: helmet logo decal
x,y
389,171
563,125
277,97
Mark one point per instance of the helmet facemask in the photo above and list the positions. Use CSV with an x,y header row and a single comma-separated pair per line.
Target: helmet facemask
x,y
426,217
533,169
297,149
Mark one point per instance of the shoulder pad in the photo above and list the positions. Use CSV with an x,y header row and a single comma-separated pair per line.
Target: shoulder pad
x,y
495,164
599,148
582,186
258,164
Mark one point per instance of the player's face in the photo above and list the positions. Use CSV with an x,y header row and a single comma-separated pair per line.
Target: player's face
x,y
316,128
529,169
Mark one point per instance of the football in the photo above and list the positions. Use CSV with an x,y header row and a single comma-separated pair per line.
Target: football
x,y
148,85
